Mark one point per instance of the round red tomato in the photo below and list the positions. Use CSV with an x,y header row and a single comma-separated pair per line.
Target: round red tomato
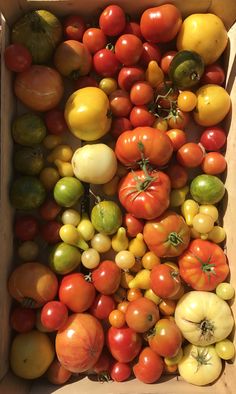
x,y
22,319
74,27
106,277
17,58
145,195
203,265
178,119
213,138
105,63
141,314
177,137
102,306
112,20
55,121
178,176
129,75
149,367
150,52
166,338
26,227
128,49
76,292
50,231
120,372
49,210
214,163
54,315
140,116
133,27
141,93
123,343
120,103
166,59
119,125
57,374
166,95
214,74
190,155
133,225
160,24
165,281
94,39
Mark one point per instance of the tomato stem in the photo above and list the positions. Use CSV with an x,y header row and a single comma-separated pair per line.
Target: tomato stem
x,y
202,357
97,198
175,239
28,302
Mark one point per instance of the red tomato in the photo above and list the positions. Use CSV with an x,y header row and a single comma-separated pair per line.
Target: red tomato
x,y
129,75
190,155
112,20
160,24
141,93
106,277
85,81
102,306
203,265
178,175
128,49
165,281
76,292
123,343
54,315
140,116
178,119
105,63
94,39
55,121
22,319
141,314
26,227
145,196
119,125
74,27
80,342
166,60
49,210
166,338
177,137
150,52
17,58
103,364
57,374
120,103
133,225
120,372
214,163
50,231
132,27
214,74
149,367
213,138
166,94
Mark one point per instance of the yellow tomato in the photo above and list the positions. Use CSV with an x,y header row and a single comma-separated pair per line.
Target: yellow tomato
x,y
108,85
87,113
186,101
49,177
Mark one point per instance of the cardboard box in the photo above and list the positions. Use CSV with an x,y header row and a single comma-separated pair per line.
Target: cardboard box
x,y
169,384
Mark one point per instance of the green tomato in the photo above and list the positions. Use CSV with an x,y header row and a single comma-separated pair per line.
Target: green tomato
x,y
207,189
28,251
64,258
225,291
106,217
28,130
27,192
28,160
186,69
225,349
68,191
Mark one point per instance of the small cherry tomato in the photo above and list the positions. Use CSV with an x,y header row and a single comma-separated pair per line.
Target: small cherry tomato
x,y
122,306
84,82
203,223
150,52
50,231
134,294
120,371
133,225
160,124
129,75
225,349
179,119
190,155
120,295
178,175
128,49
166,94
214,163
23,319
26,227
120,103
105,63
49,210
17,58
133,27
186,101
102,306
54,315
225,291
125,259
177,137
108,85
166,59
213,138
167,307
55,121
117,318
119,125
150,259
112,20
140,116
141,93
94,39
214,74
74,27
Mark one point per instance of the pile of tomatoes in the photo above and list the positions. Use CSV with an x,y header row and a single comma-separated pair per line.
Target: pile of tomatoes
x,y
108,289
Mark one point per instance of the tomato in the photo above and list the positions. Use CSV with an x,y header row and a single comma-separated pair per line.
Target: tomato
x,y
85,81
166,59
143,143
186,101
178,119
49,210
160,24
112,20
167,307
141,93
190,155
123,343
76,292
54,315
108,85
225,291
94,39
22,319
166,338
178,175
125,259
17,58
90,258
57,374
117,318
177,137
74,27
26,227
160,124
165,281
214,163
105,63
120,103
122,306
120,295
103,364
141,116
225,349
149,367
102,306
203,265
141,314
203,223
150,52
133,27
120,371
145,195
119,125
133,225
213,138
134,294
129,75
213,73
106,277
149,260
67,191
50,231
55,121
166,94
80,342
128,49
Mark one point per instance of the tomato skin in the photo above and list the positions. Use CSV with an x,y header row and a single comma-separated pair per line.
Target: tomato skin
x,y
55,121
94,39
133,27
150,52
84,82
120,372
106,277
166,59
160,24
140,116
166,339
26,227
179,120
214,163
74,27
119,125
112,20
129,75
120,103
50,232
213,73
128,49
141,314
149,367
148,203
22,319
102,306
177,137
117,318
54,315
203,265
105,63
213,138
141,93
123,343
178,175
76,293
17,58
133,225
49,210
190,155
103,364
57,374
165,281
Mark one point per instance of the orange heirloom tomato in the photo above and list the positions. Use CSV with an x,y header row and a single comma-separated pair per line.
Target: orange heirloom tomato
x,y
168,235
203,265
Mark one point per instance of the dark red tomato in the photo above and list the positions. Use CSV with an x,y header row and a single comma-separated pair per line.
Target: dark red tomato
x,y
165,281
17,58
119,125
103,364
76,292
160,24
23,319
85,81
133,225
123,343
128,49
26,227
74,27
166,338
150,52
213,73
141,116
49,210
55,121
54,315
178,119
177,137
50,232
105,63
213,163
141,314
120,103
102,306
149,367
167,94
132,27
190,155
120,372
128,76
112,20
213,138
178,175
57,374
166,60
106,277
94,39
141,93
